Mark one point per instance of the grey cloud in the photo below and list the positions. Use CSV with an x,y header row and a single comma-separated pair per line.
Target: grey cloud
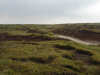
x,y
40,11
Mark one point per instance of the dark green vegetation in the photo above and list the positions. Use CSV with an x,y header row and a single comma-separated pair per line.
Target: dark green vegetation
x,y
33,50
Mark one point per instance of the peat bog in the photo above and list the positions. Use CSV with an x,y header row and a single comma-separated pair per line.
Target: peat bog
x,y
34,50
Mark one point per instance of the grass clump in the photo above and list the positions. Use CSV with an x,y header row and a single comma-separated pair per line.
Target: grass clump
x,y
95,59
25,50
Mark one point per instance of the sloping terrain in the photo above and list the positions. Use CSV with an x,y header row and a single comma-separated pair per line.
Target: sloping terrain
x,y
83,32
33,50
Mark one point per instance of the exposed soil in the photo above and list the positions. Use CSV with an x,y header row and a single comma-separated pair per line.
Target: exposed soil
x,y
30,43
81,34
64,47
83,56
6,37
71,67
88,35
77,55
36,59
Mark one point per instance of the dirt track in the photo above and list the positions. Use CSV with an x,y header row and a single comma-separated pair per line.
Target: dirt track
x,y
77,40
80,34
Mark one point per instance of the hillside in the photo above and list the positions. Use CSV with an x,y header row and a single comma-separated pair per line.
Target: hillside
x,y
88,32
34,50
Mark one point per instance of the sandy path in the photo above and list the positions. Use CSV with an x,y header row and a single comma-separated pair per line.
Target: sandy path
x,y
78,40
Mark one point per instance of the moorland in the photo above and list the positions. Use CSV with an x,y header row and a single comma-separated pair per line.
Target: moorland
x,y
35,50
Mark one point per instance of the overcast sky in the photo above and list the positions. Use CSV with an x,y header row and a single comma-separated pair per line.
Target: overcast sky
x,y
49,11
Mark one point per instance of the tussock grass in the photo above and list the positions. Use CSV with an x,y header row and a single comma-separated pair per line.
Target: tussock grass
x,y
44,54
